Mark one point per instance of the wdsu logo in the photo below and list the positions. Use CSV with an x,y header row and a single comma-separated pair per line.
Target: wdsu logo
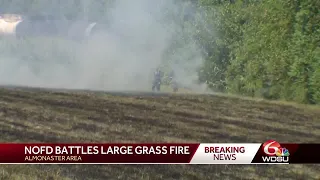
x,y
275,153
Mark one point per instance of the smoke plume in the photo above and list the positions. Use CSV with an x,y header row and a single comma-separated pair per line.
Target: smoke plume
x,y
139,36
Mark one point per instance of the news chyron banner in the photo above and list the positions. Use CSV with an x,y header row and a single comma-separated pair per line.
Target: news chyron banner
x,y
270,152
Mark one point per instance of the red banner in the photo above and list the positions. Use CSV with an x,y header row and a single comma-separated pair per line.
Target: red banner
x,y
270,152
97,153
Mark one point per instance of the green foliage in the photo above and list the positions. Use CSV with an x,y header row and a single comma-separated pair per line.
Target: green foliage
x,y
264,48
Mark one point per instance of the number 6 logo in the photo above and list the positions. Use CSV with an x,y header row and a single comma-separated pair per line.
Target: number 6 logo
x,y
271,147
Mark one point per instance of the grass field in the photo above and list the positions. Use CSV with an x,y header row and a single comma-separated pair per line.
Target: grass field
x,y
34,115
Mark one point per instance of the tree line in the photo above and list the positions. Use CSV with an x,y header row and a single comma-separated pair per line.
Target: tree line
x,y
264,48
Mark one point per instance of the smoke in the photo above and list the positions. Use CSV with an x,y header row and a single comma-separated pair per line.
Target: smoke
x,y
141,35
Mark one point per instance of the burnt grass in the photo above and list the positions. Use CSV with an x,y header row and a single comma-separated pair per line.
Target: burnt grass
x,y
42,115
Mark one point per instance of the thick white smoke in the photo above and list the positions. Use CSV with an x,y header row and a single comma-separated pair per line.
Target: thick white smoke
x,y
123,57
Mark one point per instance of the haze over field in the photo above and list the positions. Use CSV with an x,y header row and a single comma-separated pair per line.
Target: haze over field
x,y
123,56
231,46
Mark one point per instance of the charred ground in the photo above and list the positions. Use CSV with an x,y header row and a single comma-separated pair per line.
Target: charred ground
x,y
41,115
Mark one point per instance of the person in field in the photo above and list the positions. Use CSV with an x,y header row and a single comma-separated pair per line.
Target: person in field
x,y
157,80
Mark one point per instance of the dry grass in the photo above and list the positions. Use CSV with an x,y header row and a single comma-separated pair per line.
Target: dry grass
x,y
29,115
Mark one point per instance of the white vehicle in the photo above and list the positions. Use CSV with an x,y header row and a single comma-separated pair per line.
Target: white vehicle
x,y
19,26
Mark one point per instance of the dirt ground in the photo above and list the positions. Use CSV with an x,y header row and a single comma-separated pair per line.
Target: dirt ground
x,y
35,115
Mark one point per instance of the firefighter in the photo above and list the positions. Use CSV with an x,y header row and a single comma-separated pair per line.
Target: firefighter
x,y
157,80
